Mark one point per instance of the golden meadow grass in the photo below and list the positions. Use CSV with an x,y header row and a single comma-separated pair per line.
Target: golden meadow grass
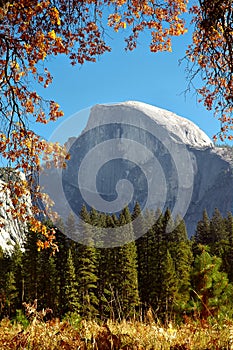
x,y
57,334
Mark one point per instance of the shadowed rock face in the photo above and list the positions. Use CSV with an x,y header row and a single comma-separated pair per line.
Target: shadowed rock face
x,y
132,152
213,184
165,161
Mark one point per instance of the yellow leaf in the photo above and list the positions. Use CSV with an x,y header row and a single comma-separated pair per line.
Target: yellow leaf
x,y
52,34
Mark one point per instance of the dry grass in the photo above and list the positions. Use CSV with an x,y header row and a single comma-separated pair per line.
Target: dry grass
x,y
125,335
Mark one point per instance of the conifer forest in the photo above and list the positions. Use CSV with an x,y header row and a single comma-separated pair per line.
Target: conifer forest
x,y
165,273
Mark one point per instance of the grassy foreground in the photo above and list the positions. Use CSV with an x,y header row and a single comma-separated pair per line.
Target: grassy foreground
x,y
124,335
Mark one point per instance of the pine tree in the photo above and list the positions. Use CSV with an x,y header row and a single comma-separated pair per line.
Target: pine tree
x,y
179,234
60,260
47,284
228,257
97,221
104,262
4,269
11,293
87,280
181,252
169,287
229,225
212,291
71,227
126,283
150,261
31,267
107,267
87,270
142,255
41,275
157,251
137,221
202,234
17,270
167,246
70,289
167,227
218,234
95,218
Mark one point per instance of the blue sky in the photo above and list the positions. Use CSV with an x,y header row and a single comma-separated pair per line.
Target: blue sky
x,y
154,78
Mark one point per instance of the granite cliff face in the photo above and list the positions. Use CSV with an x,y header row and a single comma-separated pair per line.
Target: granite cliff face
x,y
213,184
132,152
11,230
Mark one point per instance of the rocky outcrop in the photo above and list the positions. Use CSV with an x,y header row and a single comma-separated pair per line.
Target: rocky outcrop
x,y
12,230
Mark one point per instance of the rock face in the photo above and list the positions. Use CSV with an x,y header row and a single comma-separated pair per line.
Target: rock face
x,y
213,184
132,152
11,230
138,113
